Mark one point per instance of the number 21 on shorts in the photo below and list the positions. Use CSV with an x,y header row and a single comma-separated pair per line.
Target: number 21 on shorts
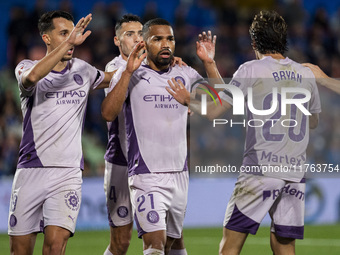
x,y
141,200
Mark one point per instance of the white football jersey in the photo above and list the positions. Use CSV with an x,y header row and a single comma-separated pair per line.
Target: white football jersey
x,y
155,121
276,140
116,150
54,112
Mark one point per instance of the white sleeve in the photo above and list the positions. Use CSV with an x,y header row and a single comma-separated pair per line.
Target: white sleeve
x,y
115,78
242,80
315,104
195,78
23,67
96,76
111,66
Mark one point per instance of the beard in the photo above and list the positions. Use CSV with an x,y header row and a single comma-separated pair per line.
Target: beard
x,y
163,62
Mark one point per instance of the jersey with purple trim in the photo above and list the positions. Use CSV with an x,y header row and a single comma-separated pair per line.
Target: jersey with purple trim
x,y
155,121
54,112
116,150
276,142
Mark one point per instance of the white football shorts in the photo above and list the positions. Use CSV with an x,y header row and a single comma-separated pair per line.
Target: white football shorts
x,y
117,193
42,197
255,195
159,202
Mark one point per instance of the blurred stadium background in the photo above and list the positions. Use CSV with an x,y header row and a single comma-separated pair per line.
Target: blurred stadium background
x,y
314,36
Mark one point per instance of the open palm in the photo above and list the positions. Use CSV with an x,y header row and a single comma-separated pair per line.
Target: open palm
x,y
135,58
205,47
77,37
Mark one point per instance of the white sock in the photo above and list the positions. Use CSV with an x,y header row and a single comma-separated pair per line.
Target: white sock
x,y
152,251
107,252
178,252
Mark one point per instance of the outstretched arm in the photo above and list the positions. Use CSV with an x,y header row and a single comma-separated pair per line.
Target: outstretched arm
x,y
205,50
45,65
113,102
178,61
183,96
106,81
323,79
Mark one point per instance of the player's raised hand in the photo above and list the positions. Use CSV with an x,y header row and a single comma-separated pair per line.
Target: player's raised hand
x,y
205,47
178,91
77,35
178,61
136,57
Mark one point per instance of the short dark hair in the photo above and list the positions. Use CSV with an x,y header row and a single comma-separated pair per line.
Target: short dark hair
x,y
126,19
268,33
46,20
154,22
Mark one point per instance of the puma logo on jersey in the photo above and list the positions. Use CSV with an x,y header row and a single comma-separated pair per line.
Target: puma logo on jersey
x,y
148,80
50,81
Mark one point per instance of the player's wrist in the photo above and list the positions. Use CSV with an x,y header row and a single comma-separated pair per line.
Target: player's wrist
x,y
127,73
187,100
209,62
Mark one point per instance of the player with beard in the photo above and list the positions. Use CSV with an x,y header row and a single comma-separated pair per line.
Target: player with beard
x,y
156,132
128,34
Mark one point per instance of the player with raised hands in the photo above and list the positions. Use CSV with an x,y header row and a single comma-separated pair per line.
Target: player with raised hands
x,y
281,192
46,191
156,133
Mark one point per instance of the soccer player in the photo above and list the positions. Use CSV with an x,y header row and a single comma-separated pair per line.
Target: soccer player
x,y
323,79
271,144
156,133
128,34
46,191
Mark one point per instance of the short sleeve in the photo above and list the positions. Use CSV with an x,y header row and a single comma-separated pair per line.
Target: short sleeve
x,y
98,78
115,78
315,103
114,65
20,69
241,80
195,78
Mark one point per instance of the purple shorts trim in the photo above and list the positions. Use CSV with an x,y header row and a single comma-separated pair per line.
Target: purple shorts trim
x,y
139,229
109,218
242,223
289,231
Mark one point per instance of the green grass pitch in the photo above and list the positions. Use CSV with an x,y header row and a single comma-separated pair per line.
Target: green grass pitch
x,y
201,241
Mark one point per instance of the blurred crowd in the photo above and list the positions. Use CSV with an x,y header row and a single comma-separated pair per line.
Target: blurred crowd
x,y
313,37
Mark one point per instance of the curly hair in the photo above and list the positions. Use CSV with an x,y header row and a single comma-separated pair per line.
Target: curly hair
x,y
268,33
